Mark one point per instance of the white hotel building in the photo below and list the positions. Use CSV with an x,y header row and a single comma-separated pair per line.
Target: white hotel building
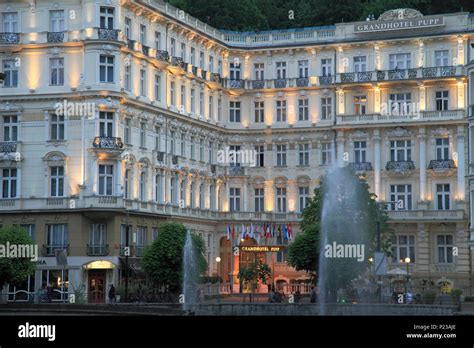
x,y
165,92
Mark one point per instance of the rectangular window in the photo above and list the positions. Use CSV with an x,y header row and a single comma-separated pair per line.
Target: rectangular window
x,y
157,40
158,188
259,107
303,198
360,64
360,104
303,154
303,109
442,100
201,150
106,124
142,186
192,148
173,93
281,155
30,229
193,56
56,18
326,154
106,18
201,103
400,61
106,180
9,182
442,149
10,22
234,111
259,200
143,34
234,199
143,134
193,100
281,110
182,108
400,197
157,138
326,67
128,77
56,237
326,108
303,68
154,233
143,83
183,144
128,28
442,58
57,182
98,237
403,246
141,240
210,153
10,128
173,47
281,200
234,71
211,107
281,70
443,196
158,87
400,150
126,184
127,130
259,69
56,68
10,69
106,68
445,248
211,64
360,151
183,51
260,152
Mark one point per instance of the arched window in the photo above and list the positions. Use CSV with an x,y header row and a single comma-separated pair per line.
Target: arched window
x,y
143,186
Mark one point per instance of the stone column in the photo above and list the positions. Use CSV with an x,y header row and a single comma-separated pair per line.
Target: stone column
x,y
422,141
461,160
377,162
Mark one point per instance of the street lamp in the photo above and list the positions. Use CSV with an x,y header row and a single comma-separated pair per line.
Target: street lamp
x,y
371,261
218,260
407,261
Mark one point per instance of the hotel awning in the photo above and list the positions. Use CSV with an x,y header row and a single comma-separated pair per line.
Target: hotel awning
x,y
99,264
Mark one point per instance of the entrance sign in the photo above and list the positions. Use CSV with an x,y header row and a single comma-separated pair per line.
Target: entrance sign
x,y
263,248
380,264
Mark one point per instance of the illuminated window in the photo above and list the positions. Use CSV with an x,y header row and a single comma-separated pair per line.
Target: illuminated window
x,y
360,104
57,181
56,66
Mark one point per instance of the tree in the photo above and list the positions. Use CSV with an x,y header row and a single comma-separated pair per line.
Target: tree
x,y
356,208
257,271
14,270
163,260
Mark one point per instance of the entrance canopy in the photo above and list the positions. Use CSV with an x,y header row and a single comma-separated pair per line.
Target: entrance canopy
x,y
99,264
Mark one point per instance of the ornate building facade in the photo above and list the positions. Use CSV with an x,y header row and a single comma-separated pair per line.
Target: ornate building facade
x,y
115,114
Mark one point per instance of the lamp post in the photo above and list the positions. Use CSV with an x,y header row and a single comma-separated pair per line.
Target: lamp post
x,y
371,260
407,261
218,260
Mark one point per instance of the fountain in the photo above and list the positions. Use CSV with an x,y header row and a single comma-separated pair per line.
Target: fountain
x,y
190,274
344,235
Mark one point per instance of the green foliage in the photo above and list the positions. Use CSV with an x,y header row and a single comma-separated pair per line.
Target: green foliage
x,y
456,295
163,260
258,15
358,209
257,270
15,270
429,296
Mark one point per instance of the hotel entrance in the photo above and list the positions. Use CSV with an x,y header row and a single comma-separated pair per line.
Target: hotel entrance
x,y
97,286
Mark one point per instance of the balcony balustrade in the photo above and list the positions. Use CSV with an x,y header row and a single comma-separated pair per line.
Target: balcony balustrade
x,y
8,146
108,34
162,55
111,143
55,37
400,165
302,82
361,166
280,83
9,38
50,249
441,164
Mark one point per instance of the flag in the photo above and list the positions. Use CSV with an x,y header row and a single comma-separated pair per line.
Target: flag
x,y
233,232
242,231
252,234
228,232
290,232
285,232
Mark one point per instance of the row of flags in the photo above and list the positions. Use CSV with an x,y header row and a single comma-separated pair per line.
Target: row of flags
x,y
257,231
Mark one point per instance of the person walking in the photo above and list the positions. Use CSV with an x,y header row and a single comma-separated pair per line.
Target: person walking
x,y
112,294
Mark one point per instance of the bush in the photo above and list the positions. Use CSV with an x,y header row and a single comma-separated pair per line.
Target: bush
x,y
429,296
456,295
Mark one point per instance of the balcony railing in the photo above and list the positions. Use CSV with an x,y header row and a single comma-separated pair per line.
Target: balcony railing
x,y
7,146
131,44
203,74
215,78
178,61
174,160
258,84
445,115
162,55
361,166
236,170
112,143
400,165
441,164
55,37
280,83
108,34
9,38
49,250
97,249
302,82
325,80
145,50
235,84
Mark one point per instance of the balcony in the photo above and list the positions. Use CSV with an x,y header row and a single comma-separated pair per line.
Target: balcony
x,y
9,38
302,82
280,83
162,55
108,34
400,166
194,70
97,250
236,171
215,78
55,37
235,84
108,143
428,215
174,160
178,62
361,166
8,146
258,84
146,50
325,80
446,115
441,164
131,44
49,250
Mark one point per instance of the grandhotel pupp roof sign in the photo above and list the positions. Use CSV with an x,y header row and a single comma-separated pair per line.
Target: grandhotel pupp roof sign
x,y
399,19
